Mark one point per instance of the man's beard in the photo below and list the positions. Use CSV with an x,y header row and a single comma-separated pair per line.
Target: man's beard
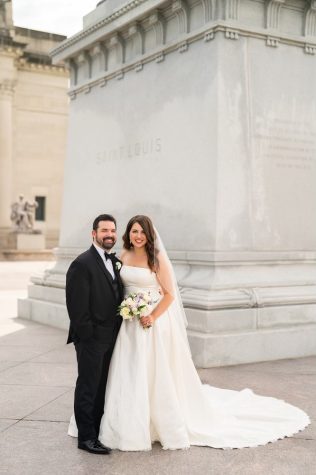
x,y
106,243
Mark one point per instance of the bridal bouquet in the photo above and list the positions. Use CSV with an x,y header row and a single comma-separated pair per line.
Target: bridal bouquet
x,y
137,304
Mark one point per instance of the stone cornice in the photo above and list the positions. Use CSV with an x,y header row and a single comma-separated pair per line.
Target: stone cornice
x,y
12,50
97,26
23,65
139,10
205,33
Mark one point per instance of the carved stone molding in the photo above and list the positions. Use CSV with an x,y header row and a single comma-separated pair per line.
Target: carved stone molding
x,y
160,57
7,87
183,47
231,9
209,35
310,49
136,32
95,50
23,65
209,9
157,21
231,34
116,41
119,75
73,71
180,8
121,54
273,13
139,67
310,19
98,53
83,62
97,26
271,41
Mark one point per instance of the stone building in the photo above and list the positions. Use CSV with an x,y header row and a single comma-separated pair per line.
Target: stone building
x,y
33,124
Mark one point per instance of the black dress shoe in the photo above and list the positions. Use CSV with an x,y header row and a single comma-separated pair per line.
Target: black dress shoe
x,y
92,447
102,446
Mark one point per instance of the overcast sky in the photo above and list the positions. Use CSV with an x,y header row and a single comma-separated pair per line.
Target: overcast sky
x,y
55,16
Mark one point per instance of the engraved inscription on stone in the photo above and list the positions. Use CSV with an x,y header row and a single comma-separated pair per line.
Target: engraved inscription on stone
x,y
289,144
143,149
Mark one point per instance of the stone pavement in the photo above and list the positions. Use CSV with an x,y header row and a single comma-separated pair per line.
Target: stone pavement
x,y
37,375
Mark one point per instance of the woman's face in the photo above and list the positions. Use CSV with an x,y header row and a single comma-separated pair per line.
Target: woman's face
x,y
137,236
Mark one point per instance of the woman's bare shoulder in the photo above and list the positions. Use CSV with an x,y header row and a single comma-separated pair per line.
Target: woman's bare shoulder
x,y
124,255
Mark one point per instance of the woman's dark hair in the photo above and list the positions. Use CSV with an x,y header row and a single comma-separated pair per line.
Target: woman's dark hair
x,y
150,234
102,217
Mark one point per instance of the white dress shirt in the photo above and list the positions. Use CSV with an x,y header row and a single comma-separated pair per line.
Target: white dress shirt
x,y
107,262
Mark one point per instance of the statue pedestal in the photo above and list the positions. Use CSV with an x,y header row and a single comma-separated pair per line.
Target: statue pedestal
x,y
26,241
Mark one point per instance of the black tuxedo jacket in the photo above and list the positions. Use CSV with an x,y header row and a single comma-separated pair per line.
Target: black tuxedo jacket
x,y
92,301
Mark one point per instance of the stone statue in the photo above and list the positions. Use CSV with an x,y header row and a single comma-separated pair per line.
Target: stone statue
x,y
22,214
30,207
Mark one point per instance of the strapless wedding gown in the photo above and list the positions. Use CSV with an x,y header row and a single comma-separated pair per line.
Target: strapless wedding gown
x,y
155,394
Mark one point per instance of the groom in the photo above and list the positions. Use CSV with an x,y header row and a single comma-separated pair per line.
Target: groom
x,y
93,292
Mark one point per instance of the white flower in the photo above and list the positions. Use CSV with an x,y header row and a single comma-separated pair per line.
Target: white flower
x,y
129,301
125,313
144,311
118,265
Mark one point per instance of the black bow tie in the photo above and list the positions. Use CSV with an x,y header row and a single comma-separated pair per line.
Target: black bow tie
x,y
109,256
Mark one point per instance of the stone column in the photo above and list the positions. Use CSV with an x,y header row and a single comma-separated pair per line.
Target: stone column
x,y
6,116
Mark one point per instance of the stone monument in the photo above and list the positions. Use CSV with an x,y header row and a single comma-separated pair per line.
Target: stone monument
x,y
201,114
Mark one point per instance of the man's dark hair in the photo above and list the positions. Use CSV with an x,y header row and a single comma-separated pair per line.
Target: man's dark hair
x,y
102,217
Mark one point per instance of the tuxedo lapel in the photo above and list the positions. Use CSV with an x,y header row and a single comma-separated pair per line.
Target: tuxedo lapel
x,y
118,277
102,267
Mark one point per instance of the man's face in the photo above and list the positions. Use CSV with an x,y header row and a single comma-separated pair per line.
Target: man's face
x,y
105,235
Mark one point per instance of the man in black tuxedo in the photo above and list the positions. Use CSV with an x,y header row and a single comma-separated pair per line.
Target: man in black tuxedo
x,y
94,291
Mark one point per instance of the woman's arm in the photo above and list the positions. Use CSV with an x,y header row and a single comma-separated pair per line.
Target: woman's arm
x,y
164,277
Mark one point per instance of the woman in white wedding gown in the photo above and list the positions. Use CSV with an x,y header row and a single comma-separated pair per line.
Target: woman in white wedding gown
x,y
154,392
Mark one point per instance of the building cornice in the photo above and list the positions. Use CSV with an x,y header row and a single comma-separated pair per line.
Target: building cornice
x,y
207,33
97,26
23,65
140,10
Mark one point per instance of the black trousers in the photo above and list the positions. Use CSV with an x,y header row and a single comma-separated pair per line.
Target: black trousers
x,y
93,359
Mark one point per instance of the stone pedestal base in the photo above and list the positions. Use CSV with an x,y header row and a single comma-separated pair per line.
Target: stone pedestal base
x,y
233,343
26,241
228,325
251,335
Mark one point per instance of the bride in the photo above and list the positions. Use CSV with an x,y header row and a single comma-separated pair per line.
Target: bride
x,y
154,392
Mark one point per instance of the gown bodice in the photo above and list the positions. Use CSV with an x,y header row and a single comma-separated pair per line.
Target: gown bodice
x,y
136,279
